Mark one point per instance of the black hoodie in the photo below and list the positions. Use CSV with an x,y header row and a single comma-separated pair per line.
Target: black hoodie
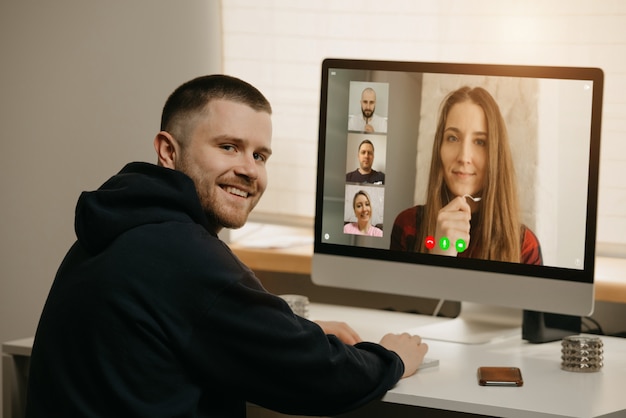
x,y
151,315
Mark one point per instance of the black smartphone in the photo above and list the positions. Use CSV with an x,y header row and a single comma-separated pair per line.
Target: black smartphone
x,y
500,376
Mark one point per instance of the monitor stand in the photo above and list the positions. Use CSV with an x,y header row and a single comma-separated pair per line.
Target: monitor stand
x,y
476,324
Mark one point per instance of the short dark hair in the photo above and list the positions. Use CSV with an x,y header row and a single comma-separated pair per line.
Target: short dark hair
x,y
192,97
366,141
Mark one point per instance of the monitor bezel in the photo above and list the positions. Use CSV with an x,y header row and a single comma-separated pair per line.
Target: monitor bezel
x,y
326,254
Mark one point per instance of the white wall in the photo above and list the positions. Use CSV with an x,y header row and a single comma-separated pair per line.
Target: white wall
x,y
82,84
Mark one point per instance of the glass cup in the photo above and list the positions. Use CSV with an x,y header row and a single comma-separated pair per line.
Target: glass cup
x,y
299,304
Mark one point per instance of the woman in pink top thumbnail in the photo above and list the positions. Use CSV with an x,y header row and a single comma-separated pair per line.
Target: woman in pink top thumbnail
x,y
363,212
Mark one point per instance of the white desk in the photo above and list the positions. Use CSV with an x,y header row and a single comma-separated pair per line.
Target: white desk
x,y
548,391
452,386
15,365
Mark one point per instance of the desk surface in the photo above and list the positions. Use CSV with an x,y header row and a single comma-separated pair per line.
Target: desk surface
x,y
610,280
548,391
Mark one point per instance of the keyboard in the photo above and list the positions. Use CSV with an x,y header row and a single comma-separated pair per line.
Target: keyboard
x,y
428,362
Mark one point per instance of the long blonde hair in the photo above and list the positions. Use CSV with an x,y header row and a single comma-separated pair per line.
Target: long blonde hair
x,y
496,235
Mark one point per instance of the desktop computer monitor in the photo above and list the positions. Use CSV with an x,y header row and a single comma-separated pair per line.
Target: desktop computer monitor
x,y
462,182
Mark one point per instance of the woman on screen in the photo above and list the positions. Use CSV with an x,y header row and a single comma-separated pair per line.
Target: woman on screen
x,y
472,209
363,212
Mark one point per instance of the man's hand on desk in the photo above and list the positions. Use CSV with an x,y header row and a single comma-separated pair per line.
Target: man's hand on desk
x,y
410,348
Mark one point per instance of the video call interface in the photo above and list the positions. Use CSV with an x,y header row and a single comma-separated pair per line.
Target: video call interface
x,y
378,133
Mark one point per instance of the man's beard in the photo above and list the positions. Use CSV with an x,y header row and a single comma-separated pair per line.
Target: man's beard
x,y
216,212
218,215
367,113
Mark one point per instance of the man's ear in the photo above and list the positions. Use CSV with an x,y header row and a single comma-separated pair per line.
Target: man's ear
x,y
167,149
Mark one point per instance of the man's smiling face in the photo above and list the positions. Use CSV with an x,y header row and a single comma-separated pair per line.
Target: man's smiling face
x,y
226,159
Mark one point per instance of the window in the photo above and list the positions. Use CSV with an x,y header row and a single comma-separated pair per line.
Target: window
x,y
279,45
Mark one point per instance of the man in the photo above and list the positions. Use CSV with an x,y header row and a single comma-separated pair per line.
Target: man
x,y
365,173
368,121
151,315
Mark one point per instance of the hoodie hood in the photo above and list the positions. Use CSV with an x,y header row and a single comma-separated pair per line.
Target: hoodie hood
x,y
140,194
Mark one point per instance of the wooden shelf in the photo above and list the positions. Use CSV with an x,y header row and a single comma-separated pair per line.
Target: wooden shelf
x,y
295,260
610,281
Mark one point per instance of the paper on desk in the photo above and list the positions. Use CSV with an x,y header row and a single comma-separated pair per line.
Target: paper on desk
x,y
256,235
285,241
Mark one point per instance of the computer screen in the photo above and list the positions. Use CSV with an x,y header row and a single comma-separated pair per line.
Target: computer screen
x,y
464,182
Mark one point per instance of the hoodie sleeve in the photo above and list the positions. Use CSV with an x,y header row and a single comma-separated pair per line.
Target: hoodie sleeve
x,y
283,362
202,310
